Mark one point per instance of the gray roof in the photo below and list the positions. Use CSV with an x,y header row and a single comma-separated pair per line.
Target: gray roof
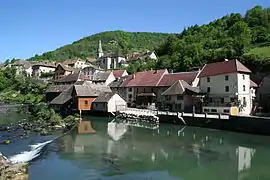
x,y
91,90
57,88
118,82
180,87
23,63
71,77
66,68
45,64
104,97
64,97
101,76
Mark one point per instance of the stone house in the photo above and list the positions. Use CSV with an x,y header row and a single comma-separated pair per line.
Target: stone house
x,y
62,70
109,102
23,66
71,78
103,78
182,97
75,63
90,70
227,84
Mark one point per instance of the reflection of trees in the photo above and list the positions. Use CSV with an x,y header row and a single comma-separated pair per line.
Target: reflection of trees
x,y
191,155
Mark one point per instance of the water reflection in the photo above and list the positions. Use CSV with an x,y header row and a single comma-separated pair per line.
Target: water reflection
x,y
188,153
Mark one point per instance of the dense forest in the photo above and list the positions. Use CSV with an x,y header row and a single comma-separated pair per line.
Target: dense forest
x,y
246,38
112,41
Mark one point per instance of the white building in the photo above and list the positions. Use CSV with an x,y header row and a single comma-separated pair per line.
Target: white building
x,y
227,84
43,68
109,102
90,70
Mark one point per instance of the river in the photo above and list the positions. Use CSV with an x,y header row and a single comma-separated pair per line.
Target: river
x,y
168,153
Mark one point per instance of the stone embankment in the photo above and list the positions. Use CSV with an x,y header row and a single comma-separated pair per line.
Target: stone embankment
x,y
9,171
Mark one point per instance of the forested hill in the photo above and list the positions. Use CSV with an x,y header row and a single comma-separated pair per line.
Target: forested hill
x,y
246,37
120,41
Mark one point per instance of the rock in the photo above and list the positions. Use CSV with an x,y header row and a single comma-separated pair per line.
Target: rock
x,y
7,141
45,133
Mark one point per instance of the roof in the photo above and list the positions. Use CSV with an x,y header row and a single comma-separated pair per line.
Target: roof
x,y
91,90
72,61
57,88
118,73
66,68
64,97
72,77
179,87
145,78
253,84
120,81
24,63
223,67
101,76
139,56
104,97
45,64
170,79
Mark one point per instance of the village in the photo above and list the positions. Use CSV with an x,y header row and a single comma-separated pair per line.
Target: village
x,y
93,86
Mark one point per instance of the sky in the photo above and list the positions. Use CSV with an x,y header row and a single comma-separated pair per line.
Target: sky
x,y
29,27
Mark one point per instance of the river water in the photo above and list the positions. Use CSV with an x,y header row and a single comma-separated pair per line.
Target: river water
x,y
167,153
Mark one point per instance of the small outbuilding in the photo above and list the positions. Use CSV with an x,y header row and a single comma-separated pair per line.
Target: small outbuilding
x,y
109,102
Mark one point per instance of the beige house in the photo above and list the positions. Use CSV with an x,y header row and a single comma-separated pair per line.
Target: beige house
x,y
109,102
62,70
181,97
75,63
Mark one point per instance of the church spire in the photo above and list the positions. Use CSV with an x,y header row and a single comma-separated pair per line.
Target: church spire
x,y
100,51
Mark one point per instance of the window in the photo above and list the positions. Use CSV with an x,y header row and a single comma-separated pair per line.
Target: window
x,y
137,90
244,102
210,99
208,79
130,96
226,111
143,89
179,97
208,89
85,102
206,110
152,90
130,89
222,100
226,78
243,77
244,88
213,110
227,89
167,98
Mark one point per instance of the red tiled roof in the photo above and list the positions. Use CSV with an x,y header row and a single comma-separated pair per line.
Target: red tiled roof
x,y
170,79
253,84
224,67
144,79
118,73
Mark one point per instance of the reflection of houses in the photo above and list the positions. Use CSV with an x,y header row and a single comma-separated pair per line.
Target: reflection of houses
x,y
23,66
244,157
43,69
109,102
62,70
116,130
182,97
227,84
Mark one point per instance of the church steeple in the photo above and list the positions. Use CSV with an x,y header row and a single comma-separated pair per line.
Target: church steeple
x,y
100,51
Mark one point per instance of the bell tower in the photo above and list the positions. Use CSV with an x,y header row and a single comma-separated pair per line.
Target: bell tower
x,y
100,51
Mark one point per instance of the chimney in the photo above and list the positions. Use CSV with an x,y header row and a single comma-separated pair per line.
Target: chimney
x,y
226,60
133,76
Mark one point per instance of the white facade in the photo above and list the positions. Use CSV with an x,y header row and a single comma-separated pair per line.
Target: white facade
x,y
110,79
42,69
222,88
115,103
153,55
111,62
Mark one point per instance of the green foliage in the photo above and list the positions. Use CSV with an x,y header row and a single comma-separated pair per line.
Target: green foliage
x,y
112,41
232,36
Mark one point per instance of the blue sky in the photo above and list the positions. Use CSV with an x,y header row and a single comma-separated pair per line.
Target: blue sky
x,y
29,27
